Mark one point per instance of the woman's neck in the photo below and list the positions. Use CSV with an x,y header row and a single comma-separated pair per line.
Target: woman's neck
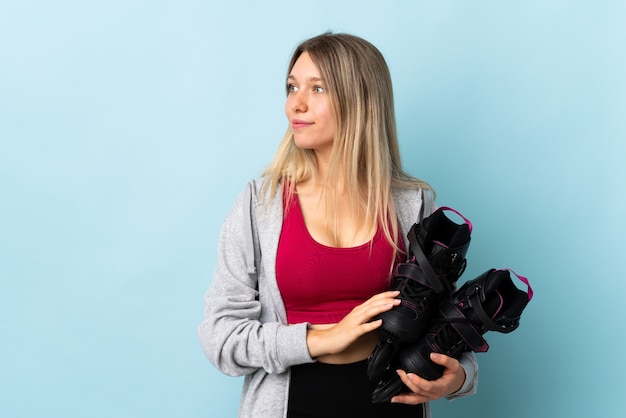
x,y
323,181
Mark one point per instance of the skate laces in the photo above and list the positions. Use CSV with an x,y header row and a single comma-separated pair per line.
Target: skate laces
x,y
493,304
412,290
446,336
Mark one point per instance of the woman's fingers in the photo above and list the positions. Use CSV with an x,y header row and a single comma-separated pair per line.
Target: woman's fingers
x,y
415,396
423,390
376,304
359,321
354,325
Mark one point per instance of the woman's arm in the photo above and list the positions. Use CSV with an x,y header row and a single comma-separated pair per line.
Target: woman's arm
x,y
239,335
337,338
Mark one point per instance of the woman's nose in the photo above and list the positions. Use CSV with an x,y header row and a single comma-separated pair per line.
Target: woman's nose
x,y
298,102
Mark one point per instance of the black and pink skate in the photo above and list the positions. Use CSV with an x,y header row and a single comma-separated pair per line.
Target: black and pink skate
x,y
436,258
490,302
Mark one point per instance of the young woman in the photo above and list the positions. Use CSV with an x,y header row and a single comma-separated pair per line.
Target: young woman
x,y
306,255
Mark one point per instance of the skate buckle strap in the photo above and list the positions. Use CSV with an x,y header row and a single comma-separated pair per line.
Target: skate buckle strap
x,y
474,299
413,272
458,321
416,249
438,285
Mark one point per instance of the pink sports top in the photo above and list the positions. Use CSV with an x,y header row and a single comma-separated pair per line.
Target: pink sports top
x,y
321,284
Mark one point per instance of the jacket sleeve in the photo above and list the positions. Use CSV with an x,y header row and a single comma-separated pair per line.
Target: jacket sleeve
x,y
470,365
239,335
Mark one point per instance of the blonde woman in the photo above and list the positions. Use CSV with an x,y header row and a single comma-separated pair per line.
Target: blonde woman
x,y
306,254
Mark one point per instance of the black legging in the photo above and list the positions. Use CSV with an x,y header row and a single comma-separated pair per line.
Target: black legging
x,y
319,390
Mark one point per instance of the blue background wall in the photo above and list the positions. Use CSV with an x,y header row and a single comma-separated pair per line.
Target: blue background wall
x,y
127,128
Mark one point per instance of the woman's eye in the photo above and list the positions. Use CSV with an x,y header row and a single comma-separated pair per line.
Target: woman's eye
x,y
291,88
319,89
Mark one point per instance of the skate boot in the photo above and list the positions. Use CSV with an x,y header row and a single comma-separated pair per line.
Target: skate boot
x,y
439,245
491,302
436,258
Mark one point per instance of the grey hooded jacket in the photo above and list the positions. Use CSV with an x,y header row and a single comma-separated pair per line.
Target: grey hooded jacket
x,y
245,331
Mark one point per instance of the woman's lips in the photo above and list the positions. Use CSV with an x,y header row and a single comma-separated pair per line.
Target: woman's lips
x,y
297,124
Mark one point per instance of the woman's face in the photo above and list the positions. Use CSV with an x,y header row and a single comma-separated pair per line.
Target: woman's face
x,y
308,107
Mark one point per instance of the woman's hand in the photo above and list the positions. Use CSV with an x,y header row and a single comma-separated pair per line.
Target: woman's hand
x,y
337,338
423,390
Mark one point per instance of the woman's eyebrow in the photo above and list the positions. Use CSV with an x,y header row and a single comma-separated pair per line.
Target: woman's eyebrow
x,y
292,77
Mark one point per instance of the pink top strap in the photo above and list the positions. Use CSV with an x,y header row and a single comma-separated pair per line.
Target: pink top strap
x,y
467,221
525,281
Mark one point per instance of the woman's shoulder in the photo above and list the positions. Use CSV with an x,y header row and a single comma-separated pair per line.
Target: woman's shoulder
x,y
412,194
250,198
412,203
262,186
264,199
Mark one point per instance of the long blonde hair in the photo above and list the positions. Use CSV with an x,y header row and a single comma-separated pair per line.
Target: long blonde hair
x,y
365,152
